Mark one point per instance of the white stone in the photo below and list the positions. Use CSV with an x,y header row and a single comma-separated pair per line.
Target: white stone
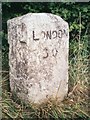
x,y
38,56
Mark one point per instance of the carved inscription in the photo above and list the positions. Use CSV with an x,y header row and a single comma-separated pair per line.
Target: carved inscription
x,y
48,34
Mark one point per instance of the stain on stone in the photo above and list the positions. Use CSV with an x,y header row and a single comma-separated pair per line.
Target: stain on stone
x,y
23,42
23,27
65,32
46,96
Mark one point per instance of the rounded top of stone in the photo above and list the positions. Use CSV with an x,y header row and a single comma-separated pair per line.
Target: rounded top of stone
x,y
41,16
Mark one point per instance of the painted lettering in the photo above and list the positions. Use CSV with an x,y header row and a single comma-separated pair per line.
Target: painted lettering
x,y
54,34
60,33
34,37
48,34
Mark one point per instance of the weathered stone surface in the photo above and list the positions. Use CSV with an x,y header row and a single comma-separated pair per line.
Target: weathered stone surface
x,y
38,56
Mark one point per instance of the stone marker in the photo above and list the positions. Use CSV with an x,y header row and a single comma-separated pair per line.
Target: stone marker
x,y
38,56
